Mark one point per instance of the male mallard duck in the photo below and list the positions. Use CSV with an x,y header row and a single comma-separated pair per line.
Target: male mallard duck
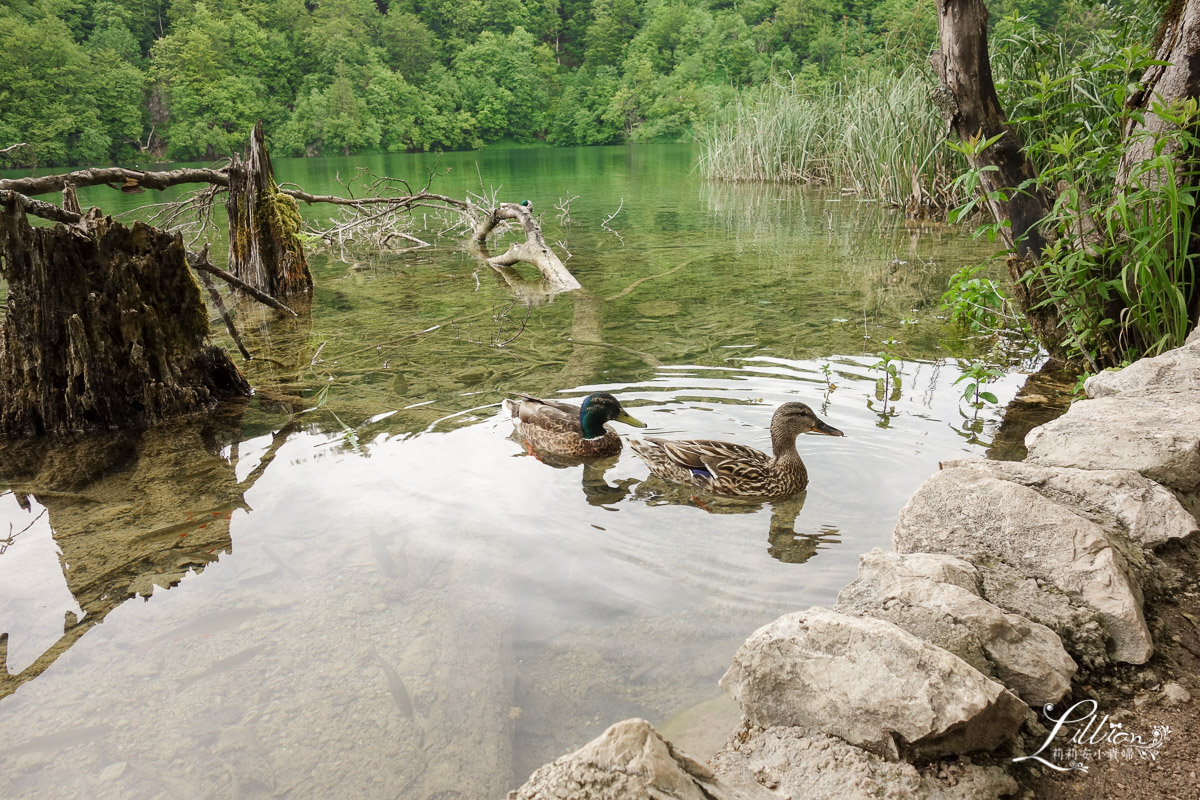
x,y
734,469
569,430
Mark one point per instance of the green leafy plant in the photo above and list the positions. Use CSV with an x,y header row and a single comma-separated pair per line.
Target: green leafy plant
x,y
977,374
1117,271
888,386
976,301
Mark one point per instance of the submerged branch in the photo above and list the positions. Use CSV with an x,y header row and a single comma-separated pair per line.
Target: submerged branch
x,y
200,262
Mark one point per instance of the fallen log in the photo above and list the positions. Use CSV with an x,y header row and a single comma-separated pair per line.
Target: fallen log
x,y
533,250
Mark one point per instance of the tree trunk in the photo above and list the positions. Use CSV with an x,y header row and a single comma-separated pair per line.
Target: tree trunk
x,y
968,100
1168,85
264,248
105,328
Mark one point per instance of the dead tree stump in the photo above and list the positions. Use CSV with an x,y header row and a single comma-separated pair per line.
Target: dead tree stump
x,y
105,328
264,247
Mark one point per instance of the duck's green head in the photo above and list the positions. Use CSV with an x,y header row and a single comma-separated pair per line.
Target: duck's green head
x,y
599,408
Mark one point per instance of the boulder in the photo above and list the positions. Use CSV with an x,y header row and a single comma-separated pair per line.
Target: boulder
x,y
820,767
1026,657
966,512
631,761
870,683
1153,431
1040,601
1178,368
1122,501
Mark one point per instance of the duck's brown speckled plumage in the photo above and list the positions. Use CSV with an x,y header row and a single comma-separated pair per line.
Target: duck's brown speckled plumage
x,y
554,427
737,470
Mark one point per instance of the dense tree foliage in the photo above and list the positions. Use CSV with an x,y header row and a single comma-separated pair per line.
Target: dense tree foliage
x,y
100,80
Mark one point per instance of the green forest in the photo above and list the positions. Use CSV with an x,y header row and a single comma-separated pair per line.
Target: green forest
x,y
90,82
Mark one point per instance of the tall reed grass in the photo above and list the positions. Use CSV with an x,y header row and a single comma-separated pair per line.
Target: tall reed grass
x,y
877,134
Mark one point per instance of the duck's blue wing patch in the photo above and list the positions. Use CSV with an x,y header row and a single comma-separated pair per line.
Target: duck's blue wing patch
x,y
700,472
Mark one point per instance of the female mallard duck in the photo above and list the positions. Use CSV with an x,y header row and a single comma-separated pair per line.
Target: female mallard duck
x,y
568,430
734,469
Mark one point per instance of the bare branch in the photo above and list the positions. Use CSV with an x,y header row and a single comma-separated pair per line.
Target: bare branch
x,y
533,250
220,304
197,261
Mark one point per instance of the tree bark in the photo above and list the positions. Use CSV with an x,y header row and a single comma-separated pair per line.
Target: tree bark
x,y
1168,85
264,223
968,100
105,328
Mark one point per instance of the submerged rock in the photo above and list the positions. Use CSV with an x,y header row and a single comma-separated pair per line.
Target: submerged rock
x,y
968,513
631,761
1025,656
820,767
870,683
1154,431
1178,368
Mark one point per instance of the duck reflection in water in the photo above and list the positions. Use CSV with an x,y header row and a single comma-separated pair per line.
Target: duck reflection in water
x,y
784,543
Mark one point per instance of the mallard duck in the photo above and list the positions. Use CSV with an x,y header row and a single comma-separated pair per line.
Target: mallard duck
x,y
570,430
734,469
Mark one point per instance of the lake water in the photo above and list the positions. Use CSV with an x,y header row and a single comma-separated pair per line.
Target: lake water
x,y
386,596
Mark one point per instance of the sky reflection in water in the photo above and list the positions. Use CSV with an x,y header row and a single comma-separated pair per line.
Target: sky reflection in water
x,y
388,596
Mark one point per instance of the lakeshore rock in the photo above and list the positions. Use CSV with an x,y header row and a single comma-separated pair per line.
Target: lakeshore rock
x,y
1075,623
870,683
1025,656
820,767
1178,368
1153,431
1122,501
966,512
631,760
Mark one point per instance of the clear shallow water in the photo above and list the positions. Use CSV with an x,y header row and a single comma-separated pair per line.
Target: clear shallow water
x,y
386,596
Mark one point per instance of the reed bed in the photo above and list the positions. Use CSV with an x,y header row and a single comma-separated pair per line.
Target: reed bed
x,y
876,134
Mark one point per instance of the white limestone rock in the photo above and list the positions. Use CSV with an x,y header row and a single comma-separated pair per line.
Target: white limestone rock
x,y
631,761
1178,368
1025,656
1153,431
968,513
1122,501
1040,601
870,683
820,767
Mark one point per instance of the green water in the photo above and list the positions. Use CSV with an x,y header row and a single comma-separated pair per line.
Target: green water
x,y
386,596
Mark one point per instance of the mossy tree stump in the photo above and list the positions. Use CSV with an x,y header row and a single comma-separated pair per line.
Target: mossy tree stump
x,y
264,247
105,328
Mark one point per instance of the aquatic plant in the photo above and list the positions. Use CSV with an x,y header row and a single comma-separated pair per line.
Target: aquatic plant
x,y
876,134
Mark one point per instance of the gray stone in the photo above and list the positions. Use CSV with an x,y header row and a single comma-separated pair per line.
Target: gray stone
x,y
1025,656
631,761
1153,431
1075,623
820,767
1178,368
1120,500
965,512
1174,694
870,683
